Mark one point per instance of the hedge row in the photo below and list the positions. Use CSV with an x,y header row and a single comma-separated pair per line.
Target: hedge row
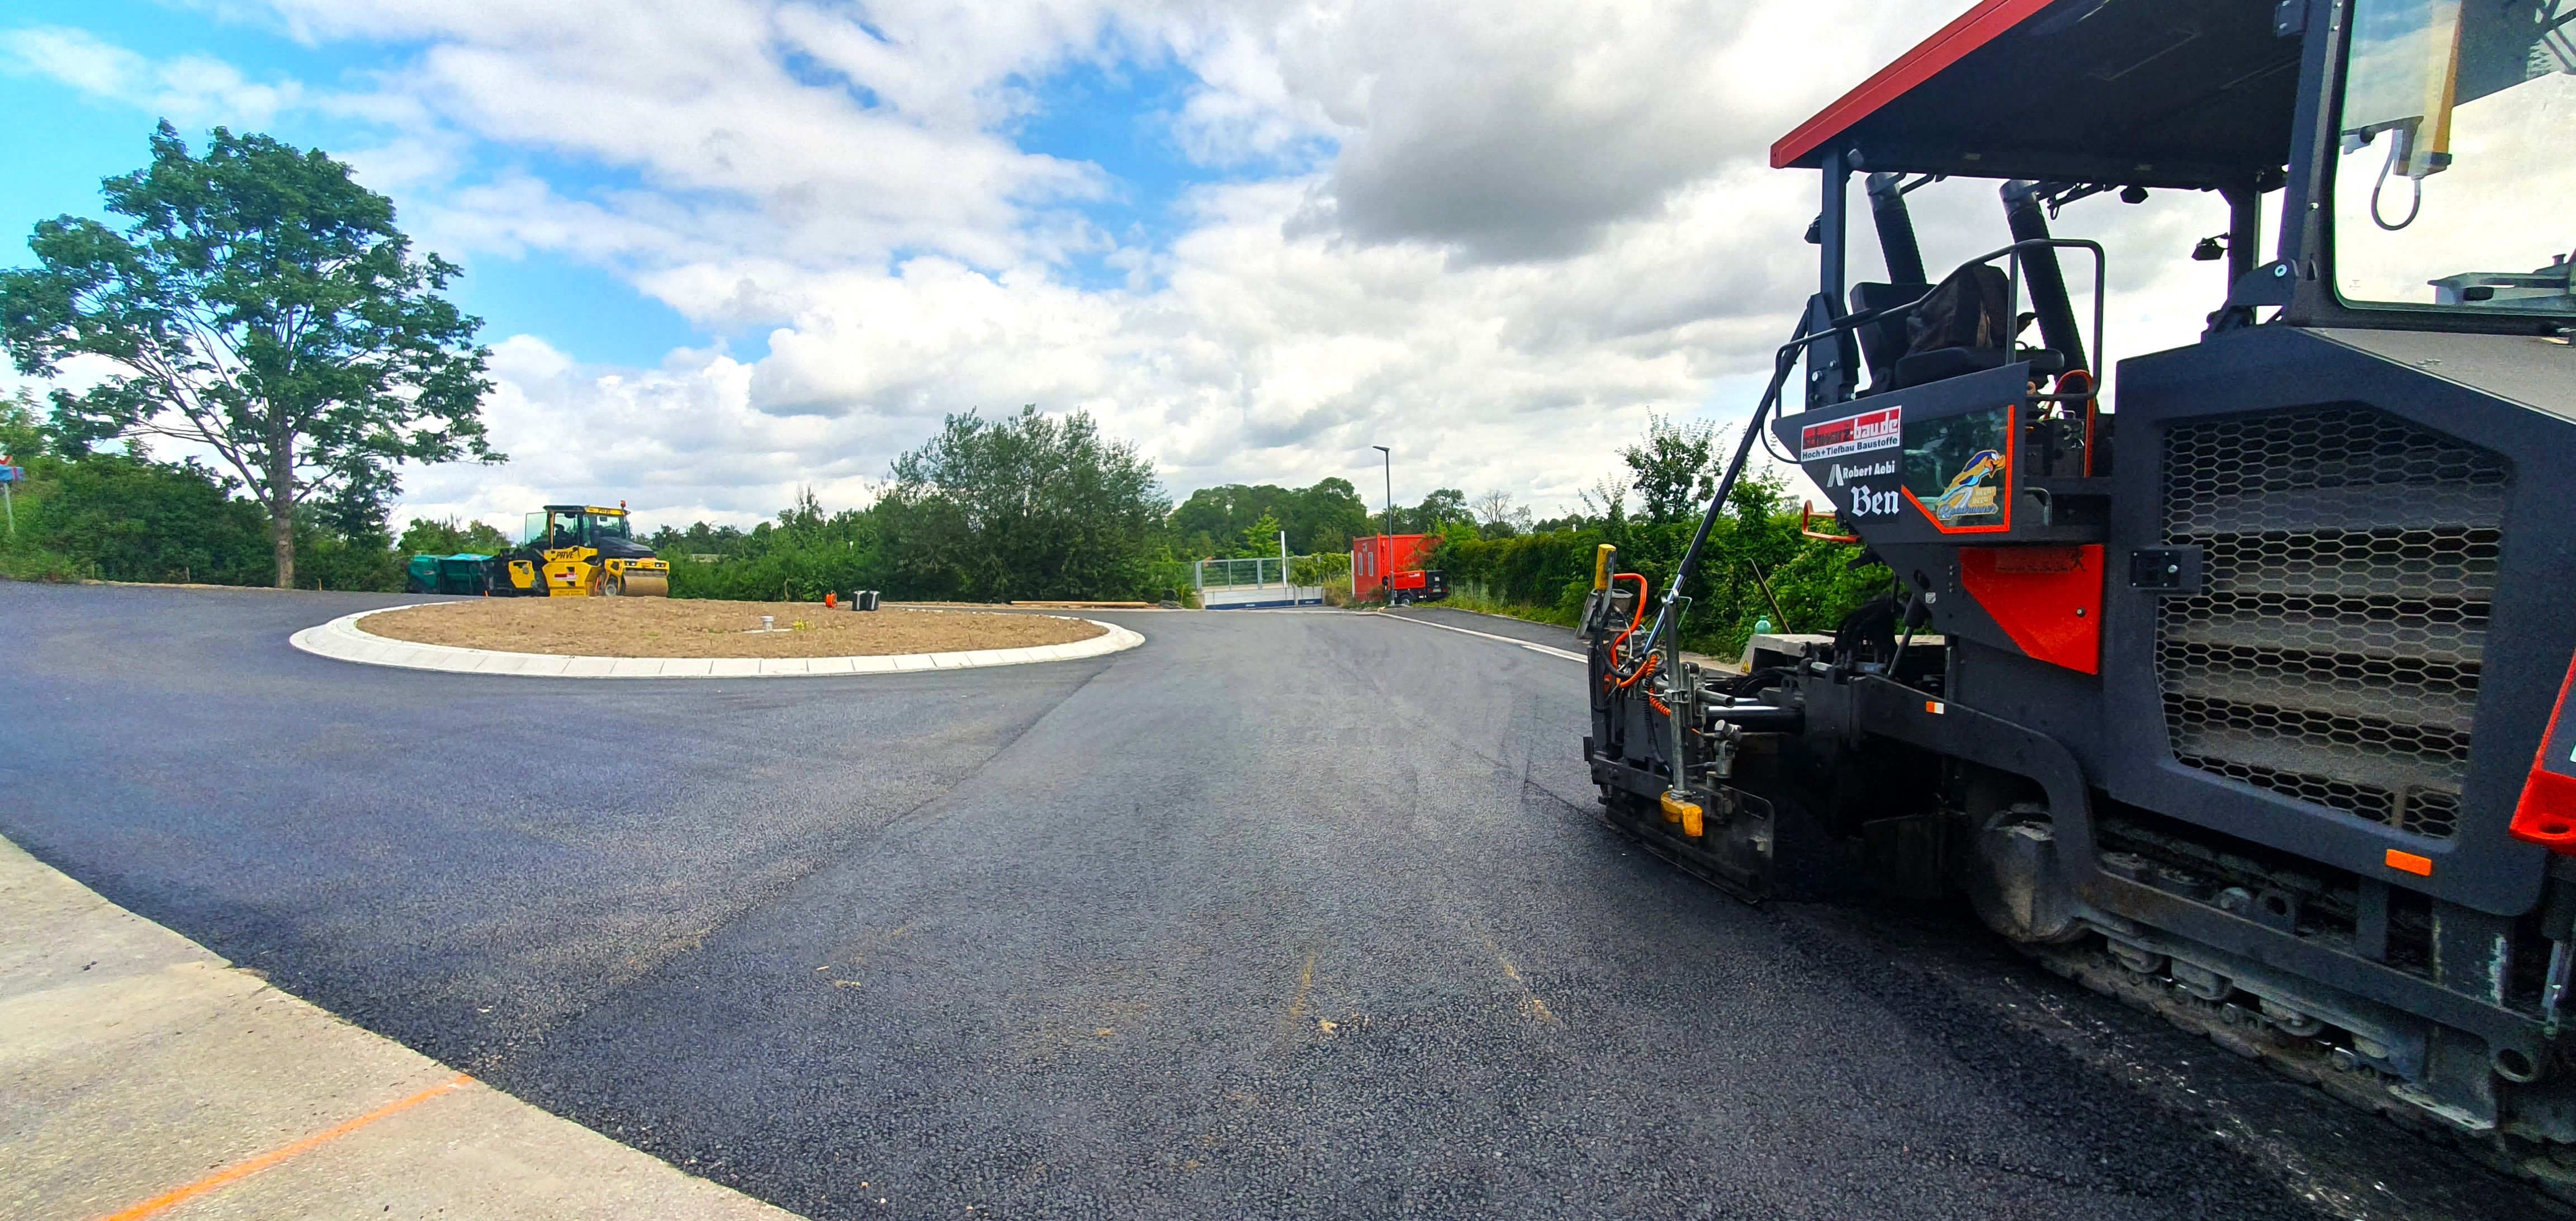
x,y
1544,576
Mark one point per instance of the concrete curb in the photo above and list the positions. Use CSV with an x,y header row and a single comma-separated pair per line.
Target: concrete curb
x,y
145,1073
342,640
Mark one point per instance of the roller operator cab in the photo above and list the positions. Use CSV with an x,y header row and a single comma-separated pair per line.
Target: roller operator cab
x,y
577,551
2189,693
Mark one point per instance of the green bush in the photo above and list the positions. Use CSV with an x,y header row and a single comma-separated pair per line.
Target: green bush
x,y
1544,576
120,518
788,573
1323,569
110,516
449,536
1170,580
326,559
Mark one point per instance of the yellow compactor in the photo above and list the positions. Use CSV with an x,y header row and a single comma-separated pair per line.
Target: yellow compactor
x,y
580,551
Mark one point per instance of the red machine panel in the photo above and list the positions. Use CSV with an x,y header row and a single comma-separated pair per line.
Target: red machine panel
x,y
2048,599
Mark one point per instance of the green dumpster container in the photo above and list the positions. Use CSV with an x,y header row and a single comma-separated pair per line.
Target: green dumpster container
x,y
446,574
464,574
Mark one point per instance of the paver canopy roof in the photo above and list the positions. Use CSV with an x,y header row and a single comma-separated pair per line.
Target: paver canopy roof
x,y
2184,93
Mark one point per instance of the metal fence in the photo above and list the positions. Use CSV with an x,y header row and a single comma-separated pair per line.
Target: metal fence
x,y
1232,574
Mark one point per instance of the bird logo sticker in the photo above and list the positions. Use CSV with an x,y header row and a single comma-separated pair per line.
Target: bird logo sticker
x,y
1971,493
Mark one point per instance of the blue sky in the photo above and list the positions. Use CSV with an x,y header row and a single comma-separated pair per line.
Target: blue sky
x,y
1111,116
75,139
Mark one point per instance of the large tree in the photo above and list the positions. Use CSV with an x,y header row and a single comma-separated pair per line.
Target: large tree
x,y
1442,507
1026,506
261,303
1672,471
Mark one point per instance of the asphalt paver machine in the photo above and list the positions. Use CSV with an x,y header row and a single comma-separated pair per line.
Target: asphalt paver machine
x,y
2189,692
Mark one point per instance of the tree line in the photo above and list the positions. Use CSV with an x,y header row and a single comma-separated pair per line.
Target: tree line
x,y
1757,564
1024,506
1021,506
256,303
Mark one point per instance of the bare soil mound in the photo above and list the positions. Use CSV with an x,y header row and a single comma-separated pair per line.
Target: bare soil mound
x,y
690,627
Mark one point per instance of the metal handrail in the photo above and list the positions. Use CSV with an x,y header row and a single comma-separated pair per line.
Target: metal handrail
x,y
2101,273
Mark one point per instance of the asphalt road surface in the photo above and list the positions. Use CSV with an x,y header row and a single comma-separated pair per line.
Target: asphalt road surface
x,y
1282,914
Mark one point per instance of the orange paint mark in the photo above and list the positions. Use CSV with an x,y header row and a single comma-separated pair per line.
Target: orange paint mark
x,y
236,1173
2420,866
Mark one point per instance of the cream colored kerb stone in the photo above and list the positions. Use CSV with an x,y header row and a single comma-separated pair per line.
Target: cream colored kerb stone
x,y
343,640
146,1076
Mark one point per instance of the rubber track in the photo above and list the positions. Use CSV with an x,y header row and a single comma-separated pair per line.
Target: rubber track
x,y
2308,1061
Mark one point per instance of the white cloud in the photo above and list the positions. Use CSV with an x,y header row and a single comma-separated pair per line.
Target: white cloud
x,y
75,58
192,89
679,442
1493,236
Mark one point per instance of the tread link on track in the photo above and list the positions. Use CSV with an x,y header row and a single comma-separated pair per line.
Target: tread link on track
x,y
2232,1027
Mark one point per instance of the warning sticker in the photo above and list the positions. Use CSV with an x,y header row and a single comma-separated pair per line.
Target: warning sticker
x,y
1880,429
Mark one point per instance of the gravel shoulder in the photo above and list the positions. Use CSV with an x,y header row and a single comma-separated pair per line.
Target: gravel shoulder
x,y
668,627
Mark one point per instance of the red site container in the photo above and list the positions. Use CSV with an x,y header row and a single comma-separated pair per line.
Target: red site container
x,y
1377,555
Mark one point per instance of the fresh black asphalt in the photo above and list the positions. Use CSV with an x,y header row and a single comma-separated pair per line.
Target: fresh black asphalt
x,y
1283,914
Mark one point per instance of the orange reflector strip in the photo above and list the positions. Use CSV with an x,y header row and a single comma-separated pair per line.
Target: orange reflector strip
x,y
2420,866
1934,707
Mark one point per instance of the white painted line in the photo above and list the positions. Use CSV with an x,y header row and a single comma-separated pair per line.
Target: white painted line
x,y
1535,648
343,640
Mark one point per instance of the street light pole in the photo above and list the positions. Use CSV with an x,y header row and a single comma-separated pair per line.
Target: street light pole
x,y
1386,538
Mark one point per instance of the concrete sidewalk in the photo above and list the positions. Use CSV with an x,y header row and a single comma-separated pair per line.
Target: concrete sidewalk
x,y
142,1076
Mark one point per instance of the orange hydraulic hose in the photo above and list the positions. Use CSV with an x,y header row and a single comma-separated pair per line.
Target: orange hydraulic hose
x,y
1633,620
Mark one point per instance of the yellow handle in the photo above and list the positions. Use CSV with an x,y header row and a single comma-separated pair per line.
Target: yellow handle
x,y
1601,565
1687,813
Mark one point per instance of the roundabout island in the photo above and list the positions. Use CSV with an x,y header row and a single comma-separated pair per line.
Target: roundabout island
x,y
693,638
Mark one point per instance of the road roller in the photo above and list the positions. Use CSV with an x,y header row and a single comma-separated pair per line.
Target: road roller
x,y
578,551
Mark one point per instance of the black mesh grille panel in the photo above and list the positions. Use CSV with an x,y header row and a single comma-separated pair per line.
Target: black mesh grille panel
x,y
2348,559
